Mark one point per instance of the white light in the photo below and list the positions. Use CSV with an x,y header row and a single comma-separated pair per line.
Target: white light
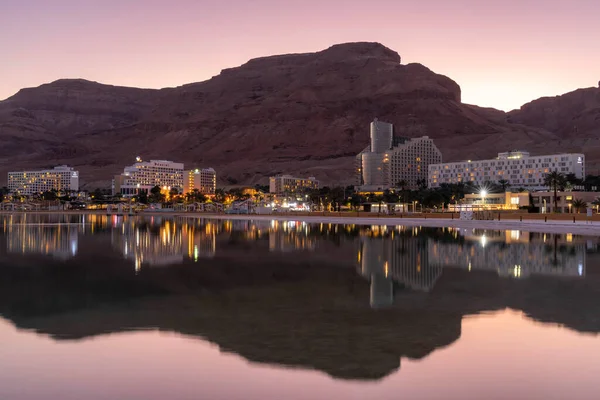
x,y
483,192
483,241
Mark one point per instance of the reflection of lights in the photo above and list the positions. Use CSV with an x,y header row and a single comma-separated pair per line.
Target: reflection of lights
x,y
517,271
569,237
483,241
469,266
195,253
386,268
515,235
580,269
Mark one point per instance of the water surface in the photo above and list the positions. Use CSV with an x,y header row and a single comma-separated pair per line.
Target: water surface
x,y
101,307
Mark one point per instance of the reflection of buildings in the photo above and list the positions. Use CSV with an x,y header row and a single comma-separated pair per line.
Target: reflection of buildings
x,y
158,243
391,258
60,241
513,253
290,236
415,260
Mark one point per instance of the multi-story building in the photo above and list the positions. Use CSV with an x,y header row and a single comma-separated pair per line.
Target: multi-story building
x,y
61,178
287,184
144,175
205,180
392,161
518,168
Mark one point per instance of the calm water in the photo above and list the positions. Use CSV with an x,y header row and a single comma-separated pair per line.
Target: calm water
x,y
96,307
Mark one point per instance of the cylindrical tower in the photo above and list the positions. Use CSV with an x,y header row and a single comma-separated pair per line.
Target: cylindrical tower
x,y
381,136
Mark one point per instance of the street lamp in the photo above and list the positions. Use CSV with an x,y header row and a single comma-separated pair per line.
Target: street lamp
x,y
483,193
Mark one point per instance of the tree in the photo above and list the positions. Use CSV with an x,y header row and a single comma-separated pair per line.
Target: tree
x,y
156,195
50,195
356,200
504,184
220,196
573,179
422,184
578,204
141,197
4,191
390,198
379,200
555,181
338,197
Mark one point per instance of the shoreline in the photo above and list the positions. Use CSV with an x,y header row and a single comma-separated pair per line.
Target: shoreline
x,y
582,227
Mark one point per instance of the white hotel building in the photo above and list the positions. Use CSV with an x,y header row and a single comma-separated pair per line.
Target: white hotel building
x,y
61,178
391,159
144,175
518,168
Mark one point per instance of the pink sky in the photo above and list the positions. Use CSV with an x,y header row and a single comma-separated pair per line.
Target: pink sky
x,y
502,53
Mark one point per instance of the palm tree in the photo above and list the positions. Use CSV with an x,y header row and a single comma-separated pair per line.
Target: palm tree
x,y
379,200
555,180
504,184
402,184
578,204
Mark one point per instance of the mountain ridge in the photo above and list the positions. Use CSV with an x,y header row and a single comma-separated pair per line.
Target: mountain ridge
x,y
303,114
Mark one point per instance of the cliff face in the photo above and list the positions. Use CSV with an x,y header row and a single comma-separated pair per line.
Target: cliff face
x,y
575,114
305,114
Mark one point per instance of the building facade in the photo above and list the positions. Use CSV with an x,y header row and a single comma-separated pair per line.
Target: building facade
x,y
287,184
564,201
62,178
144,175
390,160
205,180
518,168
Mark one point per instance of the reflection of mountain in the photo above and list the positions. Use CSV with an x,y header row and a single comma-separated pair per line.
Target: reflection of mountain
x,y
302,315
313,315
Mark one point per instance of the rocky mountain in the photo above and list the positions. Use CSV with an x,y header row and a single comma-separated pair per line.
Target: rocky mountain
x,y
305,114
575,114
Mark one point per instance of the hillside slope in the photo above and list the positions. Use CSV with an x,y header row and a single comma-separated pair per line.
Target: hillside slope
x,y
305,114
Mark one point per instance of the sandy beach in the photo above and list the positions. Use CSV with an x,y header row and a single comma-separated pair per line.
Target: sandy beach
x,y
561,223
